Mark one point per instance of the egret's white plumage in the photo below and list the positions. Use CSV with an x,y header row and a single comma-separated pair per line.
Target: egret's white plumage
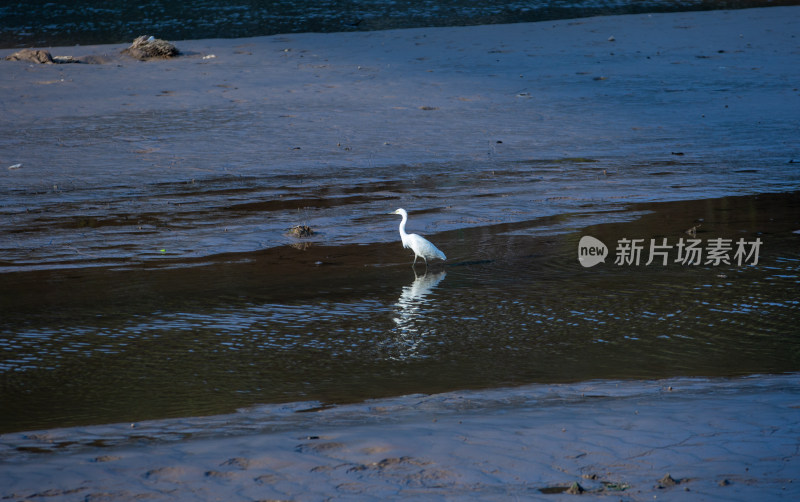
x,y
422,247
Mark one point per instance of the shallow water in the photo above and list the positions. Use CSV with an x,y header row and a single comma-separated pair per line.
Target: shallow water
x,y
345,323
111,219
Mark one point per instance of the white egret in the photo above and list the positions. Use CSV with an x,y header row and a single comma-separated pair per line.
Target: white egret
x,y
422,247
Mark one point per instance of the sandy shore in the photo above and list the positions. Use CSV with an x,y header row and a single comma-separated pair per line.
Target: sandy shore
x,y
733,440
419,95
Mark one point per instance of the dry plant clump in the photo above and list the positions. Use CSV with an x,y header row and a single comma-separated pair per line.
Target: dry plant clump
x,y
146,47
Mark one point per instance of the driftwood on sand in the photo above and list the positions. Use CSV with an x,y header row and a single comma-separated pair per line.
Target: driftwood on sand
x,y
41,57
143,48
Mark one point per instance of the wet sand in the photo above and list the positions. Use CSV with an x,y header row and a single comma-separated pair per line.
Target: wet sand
x,y
678,439
616,110
128,162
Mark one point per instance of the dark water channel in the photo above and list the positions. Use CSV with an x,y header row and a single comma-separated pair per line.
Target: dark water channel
x,y
343,323
46,22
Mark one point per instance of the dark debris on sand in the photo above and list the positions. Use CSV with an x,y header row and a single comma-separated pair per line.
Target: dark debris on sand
x,y
667,482
147,47
301,231
41,57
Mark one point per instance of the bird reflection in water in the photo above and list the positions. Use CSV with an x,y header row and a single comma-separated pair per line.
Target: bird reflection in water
x,y
413,326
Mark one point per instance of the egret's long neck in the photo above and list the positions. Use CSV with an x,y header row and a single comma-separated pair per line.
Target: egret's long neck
x,y
403,233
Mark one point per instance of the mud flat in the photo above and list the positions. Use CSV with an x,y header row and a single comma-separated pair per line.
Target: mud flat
x,y
692,439
227,146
